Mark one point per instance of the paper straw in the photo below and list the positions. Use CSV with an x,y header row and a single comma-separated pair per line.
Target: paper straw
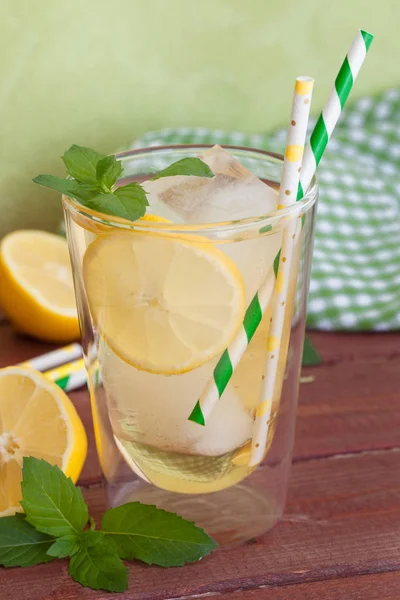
x,y
332,110
255,311
313,153
296,139
69,377
54,358
232,355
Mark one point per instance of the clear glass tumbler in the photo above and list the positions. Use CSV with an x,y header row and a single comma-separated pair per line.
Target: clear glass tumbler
x,y
148,449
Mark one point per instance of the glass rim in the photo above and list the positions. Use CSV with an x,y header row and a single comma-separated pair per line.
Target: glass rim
x,y
266,221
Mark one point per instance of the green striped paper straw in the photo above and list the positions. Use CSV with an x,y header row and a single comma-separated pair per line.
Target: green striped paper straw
x,y
69,377
233,354
230,358
312,156
333,108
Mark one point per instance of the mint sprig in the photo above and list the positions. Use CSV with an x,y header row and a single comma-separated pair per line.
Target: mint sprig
x,y
67,545
186,166
94,177
55,525
96,563
51,502
154,536
21,545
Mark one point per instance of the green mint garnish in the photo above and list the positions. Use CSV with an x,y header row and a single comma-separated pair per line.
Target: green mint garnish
x,y
108,170
96,563
186,166
169,542
80,191
57,525
64,546
81,163
21,545
95,175
51,502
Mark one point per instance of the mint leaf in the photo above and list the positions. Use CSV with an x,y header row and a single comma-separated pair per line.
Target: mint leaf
x,y
186,166
133,198
21,545
82,162
110,204
155,536
95,175
311,358
107,172
69,187
64,546
96,563
51,502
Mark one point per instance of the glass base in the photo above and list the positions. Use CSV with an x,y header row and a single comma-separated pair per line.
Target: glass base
x,y
230,516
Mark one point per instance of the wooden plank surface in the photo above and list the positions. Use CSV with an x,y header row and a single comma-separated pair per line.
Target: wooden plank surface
x,y
342,519
340,537
381,586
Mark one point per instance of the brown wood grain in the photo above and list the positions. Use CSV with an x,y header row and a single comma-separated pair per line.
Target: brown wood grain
x,y
350,407
380,586
340,536
15,348
342,520
337,347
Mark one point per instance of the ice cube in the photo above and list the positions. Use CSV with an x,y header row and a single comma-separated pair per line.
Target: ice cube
x,y
233,193
153,409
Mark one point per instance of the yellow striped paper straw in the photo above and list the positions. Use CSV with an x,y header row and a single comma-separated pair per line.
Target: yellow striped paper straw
x,y
54,358
296,138
70,376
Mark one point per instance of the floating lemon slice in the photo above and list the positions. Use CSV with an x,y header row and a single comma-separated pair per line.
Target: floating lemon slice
x,y
37,419
164,304
36,287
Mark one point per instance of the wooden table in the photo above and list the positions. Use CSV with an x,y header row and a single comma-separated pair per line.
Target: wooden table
x,y
340,537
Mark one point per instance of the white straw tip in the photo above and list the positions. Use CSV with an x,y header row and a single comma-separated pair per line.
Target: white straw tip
x,y
304,78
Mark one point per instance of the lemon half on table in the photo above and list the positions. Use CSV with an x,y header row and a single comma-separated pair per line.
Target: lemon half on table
x,y
163,303
36,419
36,287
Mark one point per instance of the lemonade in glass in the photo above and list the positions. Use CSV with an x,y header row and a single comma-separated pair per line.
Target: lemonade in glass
x,y
159,300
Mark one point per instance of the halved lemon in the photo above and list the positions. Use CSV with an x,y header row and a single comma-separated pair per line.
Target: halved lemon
x,y
164,304
36,287
36,419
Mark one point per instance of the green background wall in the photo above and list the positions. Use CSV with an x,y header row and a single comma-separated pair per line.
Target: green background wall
x,y
100,73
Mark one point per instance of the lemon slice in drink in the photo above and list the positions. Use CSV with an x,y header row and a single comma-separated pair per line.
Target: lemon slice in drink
x,y
36,287
37,419
164,304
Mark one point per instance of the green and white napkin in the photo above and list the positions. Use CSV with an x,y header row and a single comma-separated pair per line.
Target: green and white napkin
x,y
355,279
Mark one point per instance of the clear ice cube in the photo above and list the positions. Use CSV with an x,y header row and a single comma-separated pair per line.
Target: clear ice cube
x,y
154,409
233,193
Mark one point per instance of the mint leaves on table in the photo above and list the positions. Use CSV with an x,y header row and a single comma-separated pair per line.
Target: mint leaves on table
x,y
96,563
64,546
21,545
154,536
95,175
56,524
51,502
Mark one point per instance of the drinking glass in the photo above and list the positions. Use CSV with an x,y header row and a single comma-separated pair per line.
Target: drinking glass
x,y
148,449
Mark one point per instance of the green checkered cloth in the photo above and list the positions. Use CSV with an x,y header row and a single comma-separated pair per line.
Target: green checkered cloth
x,y
355,278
